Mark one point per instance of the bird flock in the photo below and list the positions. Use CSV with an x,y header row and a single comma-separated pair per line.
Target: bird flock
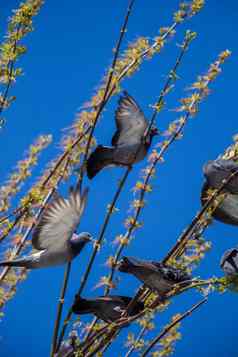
x,y
56,241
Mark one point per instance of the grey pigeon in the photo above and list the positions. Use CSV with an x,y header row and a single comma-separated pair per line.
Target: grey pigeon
x,y
227,211
155,275
229,262
130,143
218,170
106,308
215,172
54,236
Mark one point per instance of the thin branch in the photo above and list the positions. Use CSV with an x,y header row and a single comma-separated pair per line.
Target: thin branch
x,y
106,344
171,325
164,91
172,76
140,335
107,87
10,67
60,308
184,238
96,248
60,161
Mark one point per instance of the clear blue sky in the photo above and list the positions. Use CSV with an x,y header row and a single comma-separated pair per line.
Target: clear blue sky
x,y
67,56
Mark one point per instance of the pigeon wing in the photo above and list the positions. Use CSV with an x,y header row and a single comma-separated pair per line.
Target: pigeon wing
x,y
59,221
227,211
130,121
170,273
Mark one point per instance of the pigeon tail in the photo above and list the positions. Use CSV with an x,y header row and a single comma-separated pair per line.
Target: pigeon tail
x,y
101,157
82,306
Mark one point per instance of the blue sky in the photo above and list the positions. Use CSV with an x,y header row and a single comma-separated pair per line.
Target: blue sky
x,y
67,56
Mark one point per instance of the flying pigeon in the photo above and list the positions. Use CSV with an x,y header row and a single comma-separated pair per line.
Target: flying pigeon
x,y
229,262
54,237
106,308
131,141
155,275
215,172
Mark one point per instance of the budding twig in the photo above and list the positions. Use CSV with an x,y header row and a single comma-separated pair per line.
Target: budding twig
x,y
171,325
60,308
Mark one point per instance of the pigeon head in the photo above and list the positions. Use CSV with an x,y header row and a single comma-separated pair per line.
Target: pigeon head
x,y
229,262
78,241
126,263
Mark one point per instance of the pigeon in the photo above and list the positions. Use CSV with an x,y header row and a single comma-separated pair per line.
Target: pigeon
x,y
227,211
106,308
155,275
54,237
229,262
215,172
130,142
218,170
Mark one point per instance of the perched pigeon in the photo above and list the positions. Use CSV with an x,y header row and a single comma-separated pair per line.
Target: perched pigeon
x,y
156,276
215,172
227,211
106,308
218,170
54,236
130,143
229,262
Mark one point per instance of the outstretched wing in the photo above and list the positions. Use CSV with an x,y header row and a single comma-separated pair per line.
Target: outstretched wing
x,y
59,221
130,121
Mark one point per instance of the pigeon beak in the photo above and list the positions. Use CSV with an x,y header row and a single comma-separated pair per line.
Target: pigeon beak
x,y
118,264
91,239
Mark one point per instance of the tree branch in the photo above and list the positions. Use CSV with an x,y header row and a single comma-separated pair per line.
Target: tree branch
x,y
171,325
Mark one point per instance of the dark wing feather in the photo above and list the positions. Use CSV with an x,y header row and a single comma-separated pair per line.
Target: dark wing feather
x,y
130,121
59,221
170,273
144,264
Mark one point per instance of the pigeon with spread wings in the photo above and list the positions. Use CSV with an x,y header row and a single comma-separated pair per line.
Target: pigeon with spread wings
x,y
54,237
130,143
